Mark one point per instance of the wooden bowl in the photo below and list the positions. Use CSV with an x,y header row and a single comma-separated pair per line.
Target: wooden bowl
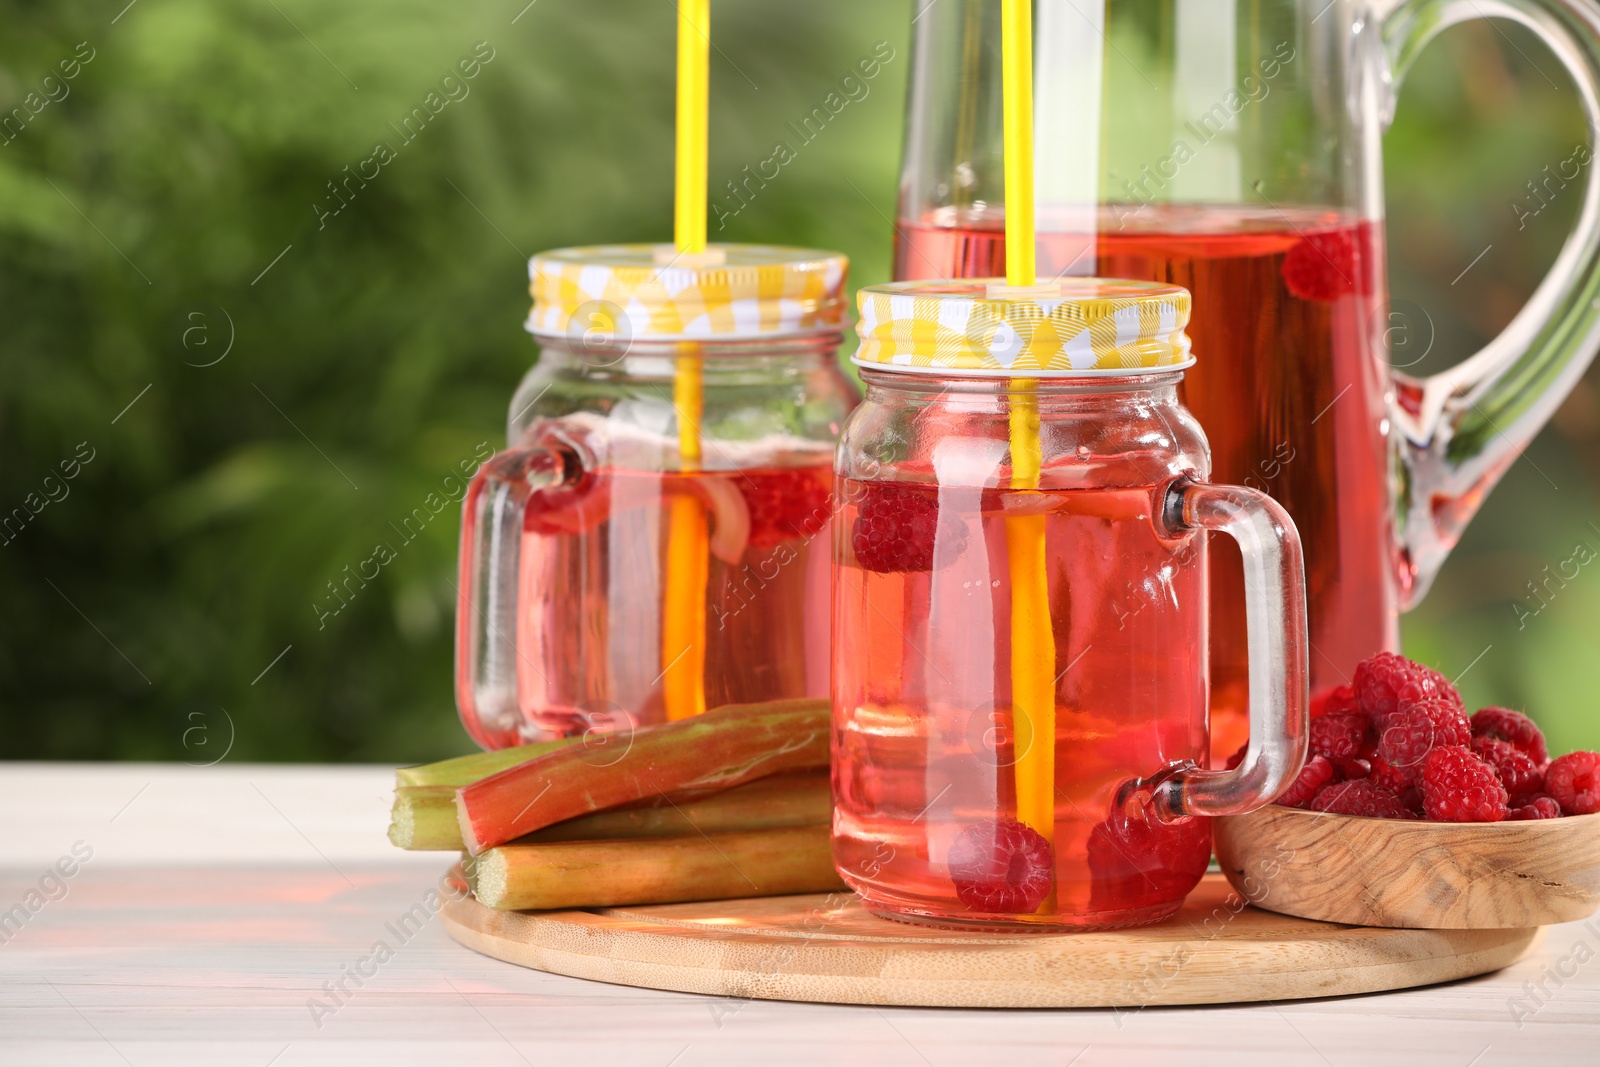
x,y
1419,875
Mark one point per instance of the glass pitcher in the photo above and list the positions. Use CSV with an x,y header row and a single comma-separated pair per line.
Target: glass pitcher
x,y
1018,738
618,568
1235,149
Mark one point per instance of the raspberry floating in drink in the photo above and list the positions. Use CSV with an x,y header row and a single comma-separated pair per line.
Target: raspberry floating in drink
x,y
1003,868
1139,862
1329,264
786,504
896,528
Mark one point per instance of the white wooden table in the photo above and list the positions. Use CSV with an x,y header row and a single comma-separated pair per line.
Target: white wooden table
x,y
220,905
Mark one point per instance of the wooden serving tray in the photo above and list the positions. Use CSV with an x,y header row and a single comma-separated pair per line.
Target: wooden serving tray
x,y
830,949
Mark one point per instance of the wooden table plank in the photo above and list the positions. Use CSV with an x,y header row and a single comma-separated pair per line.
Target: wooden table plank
x,y
151,958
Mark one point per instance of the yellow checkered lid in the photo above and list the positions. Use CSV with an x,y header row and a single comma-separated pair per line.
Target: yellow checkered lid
x,y
653,292
983,327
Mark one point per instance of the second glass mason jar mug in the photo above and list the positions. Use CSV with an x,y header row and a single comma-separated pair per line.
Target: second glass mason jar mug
x,y
653,542
1021,611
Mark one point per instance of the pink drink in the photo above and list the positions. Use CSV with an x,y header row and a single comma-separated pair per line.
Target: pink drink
x,y
923,748
588,639
1289,317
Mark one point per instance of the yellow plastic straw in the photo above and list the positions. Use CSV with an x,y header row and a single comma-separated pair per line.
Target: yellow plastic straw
x,y
694,93
1033,698
1016,84
683,627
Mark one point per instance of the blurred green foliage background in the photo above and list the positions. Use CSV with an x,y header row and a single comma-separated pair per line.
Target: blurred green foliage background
x,y
298,381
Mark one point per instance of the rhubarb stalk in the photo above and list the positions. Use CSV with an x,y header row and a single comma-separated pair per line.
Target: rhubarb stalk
x,y
464,770
718,750
595,874
424,817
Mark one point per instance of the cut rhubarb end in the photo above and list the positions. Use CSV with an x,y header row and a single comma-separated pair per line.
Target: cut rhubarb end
x,y
469,837
424,819
487,878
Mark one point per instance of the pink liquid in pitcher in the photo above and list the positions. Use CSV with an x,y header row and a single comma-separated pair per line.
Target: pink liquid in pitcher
x,y
1288,327
589,640
924,763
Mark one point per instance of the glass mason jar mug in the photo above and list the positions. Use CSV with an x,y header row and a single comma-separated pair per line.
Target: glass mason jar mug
x,y
652,543
1021,609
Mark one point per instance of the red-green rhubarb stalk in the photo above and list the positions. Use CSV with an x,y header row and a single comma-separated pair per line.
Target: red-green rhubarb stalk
x,y
424,816
718,750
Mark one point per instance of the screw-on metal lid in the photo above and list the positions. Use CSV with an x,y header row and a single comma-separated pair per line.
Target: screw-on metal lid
x,y
654,293
1076,326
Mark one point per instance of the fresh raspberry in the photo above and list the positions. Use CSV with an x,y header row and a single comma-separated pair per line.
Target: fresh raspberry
x,y
1238,757
1325,266
1359,798
1361,764
1386,775
1459,787
1338,735
1353,770
1339,698
1385,680
1574,781
1539,807
1514,728
1135,863
787,503
1003,867
895,527
1317,773
1517,771
1415,729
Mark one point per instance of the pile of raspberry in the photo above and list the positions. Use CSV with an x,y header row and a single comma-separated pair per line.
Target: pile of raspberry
x,y
1397,743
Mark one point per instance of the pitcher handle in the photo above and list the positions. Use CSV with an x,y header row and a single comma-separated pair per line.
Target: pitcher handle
x,y
492,517
1275,613
1458,431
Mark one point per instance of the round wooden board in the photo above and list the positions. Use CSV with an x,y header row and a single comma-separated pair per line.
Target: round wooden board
x,y
830,949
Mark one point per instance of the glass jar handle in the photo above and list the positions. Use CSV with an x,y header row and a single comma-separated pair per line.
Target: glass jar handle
x,y
1275,611
492,517
1459,430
